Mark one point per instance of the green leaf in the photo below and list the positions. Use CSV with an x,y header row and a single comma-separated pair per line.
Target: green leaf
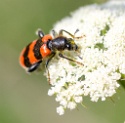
x,y
104,31
81,78
122,83
100,46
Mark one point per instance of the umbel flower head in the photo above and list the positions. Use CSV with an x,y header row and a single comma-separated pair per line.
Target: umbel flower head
x,y
102,51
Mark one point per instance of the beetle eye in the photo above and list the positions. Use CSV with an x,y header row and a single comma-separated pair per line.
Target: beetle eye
x,y
68,46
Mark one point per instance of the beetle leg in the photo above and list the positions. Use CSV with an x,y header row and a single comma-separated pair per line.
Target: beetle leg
x,y
61,33
34,66
40,33
73,36
47,62
65,57
54,33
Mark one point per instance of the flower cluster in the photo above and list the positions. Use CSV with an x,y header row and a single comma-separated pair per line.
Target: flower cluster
x,y
102,51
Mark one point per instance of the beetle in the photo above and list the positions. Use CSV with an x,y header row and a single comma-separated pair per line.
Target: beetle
x,y
46,47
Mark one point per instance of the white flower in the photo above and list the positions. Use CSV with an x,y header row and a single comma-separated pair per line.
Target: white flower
x,y
102,51
71,105
78,99
60,110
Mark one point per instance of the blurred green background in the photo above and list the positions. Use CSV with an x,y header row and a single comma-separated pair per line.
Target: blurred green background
x,y
23,97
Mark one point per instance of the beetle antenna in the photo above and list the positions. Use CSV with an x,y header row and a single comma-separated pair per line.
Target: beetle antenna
x,y
79,37
76,31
